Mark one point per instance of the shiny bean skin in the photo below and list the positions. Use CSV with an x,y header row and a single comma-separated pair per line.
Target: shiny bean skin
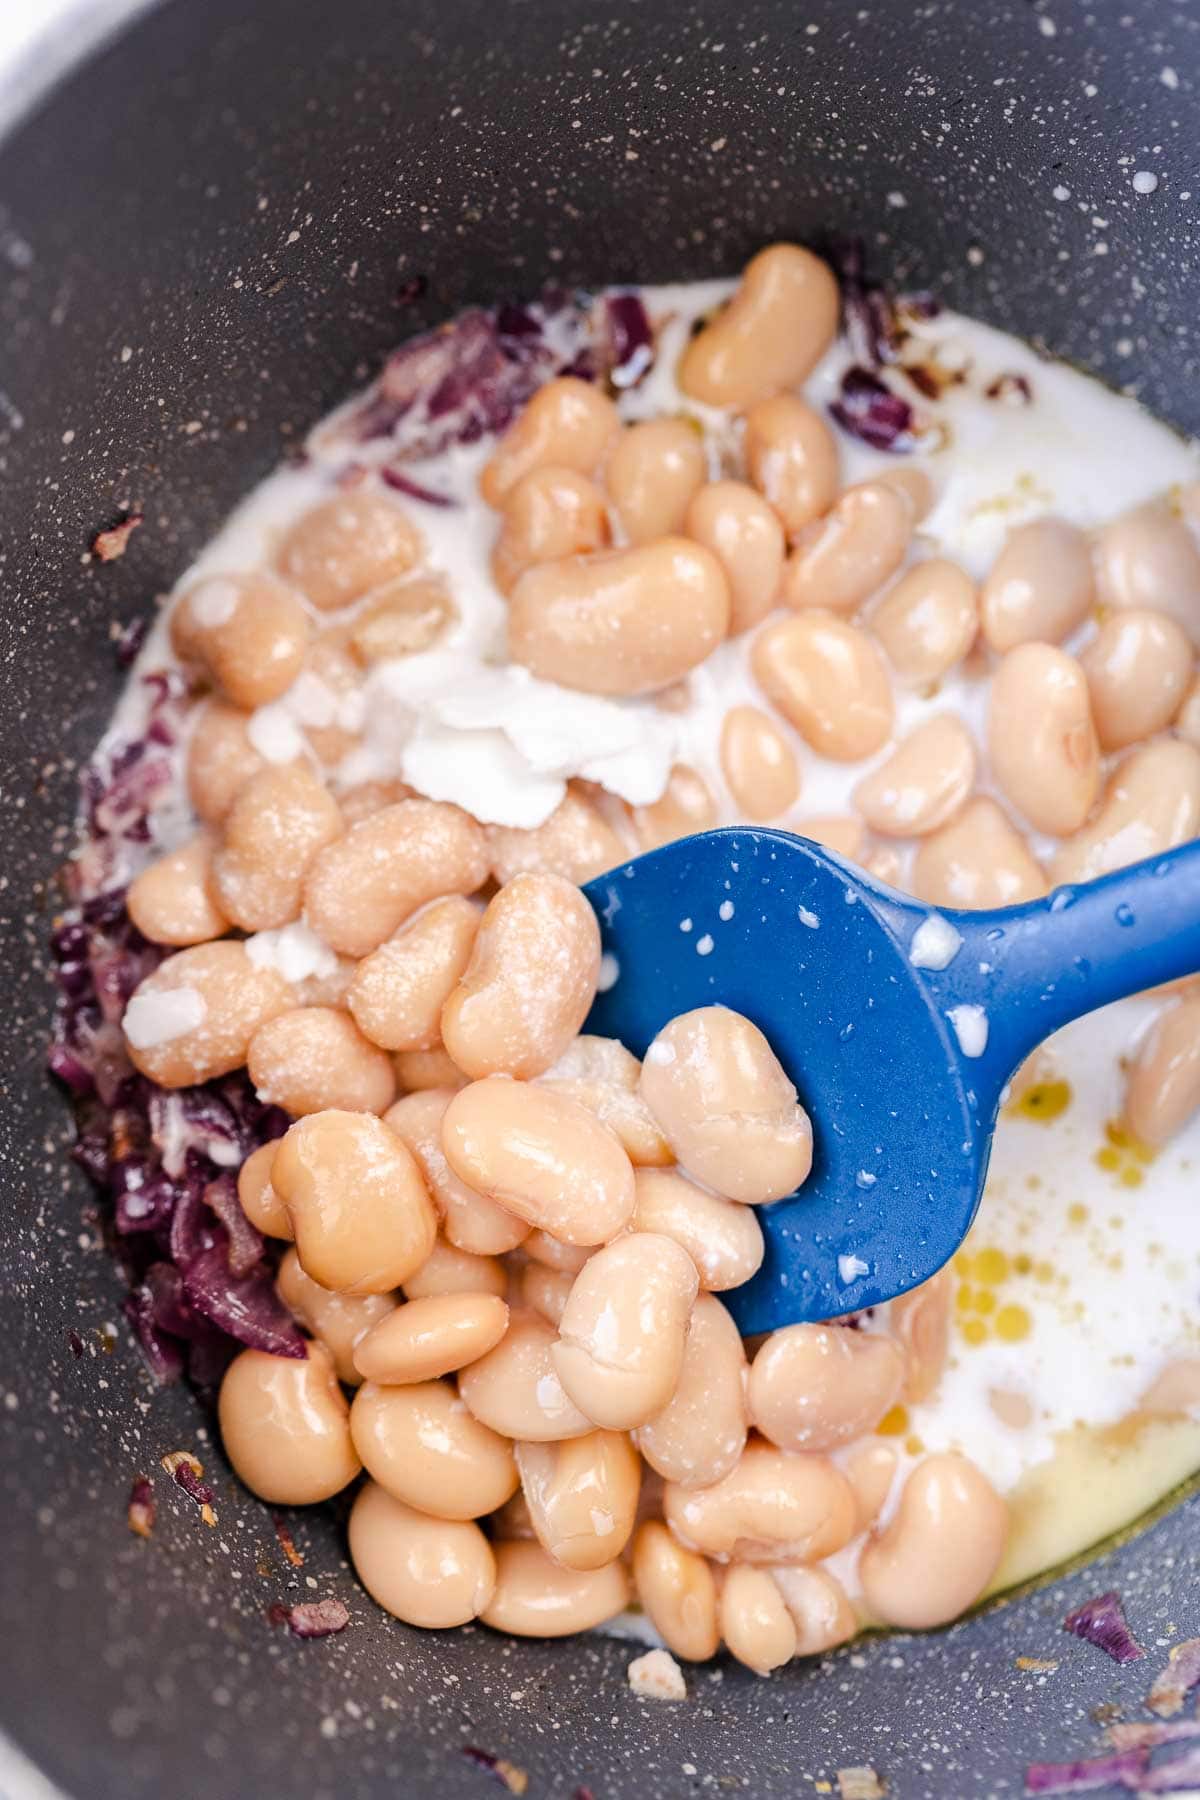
x,y
576,841
417,1070
338,551
552,1253
940,1549
779,323
979,859
1151,804
1187,723
362,1219
314,1058
723,1239
755,1623
550,513
842,561
655,469
622,621
726,1106
530,982
758,763
248,632
285,1426
828,680
1041,738
920,1321
435,1573
624,1329
700,1433
775,1506
677,1592
398,991
171,901
601,1074
544,1157
928,620
220,759
545,1290
1138,667
792,458
870,1469
1149,558
582,1496
1040,586
816,1600
685,806
404,618
1163,1088
362,888
426,1338
845,837
260,1203
913,484
515,1388
280,820
568,424
923,783
422,1445
447,1270
330,698
338,1321
744,534
813,1387
217,1000
537,1597
470,1220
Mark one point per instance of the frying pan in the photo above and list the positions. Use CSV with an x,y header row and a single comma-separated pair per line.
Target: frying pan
x,y
204,232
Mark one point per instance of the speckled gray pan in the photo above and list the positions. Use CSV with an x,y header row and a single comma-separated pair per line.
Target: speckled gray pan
x,y
201,239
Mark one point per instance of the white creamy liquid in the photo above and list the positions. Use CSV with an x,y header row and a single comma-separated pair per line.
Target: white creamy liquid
x,y
1109,1294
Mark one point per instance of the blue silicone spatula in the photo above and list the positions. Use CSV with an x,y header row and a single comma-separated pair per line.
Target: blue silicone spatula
x,y
900,1064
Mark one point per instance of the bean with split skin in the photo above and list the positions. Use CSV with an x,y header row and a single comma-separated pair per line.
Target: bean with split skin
x,y
843,560
582,1496
726,1106
537,1597
568,424
249,633
820,1611
280,820
171,900
193,1018
828,680
775,1506
1162,1091
920,1321
755,1623
358,1208
978,859
939,1550
624,1329
923,783
758,763
544,1157
576,841
550,513
338,551
700,1433
813,1387
744,534
1151,804
1040,587
422,1445
624,621
361,888
285,1426
653,472
470,1220
426,1338
792,458
402,619
515,1388
928,620
1139,667
260,1203
435,1573
601,1074
677,1592
530,981
398,991
339,1321
1041,738
723,1238
314,1058
779,323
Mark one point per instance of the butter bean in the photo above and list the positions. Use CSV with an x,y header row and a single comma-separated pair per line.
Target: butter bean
x,y
870,1468
430,1572
1138,669
653,471
1041,738
548,514
194,1017
723,1239
471,1221
314,1058
1040,585
422,1445
417,1070
1162,1092
940,1549
793,460
362,888
249,633
576,841
171,901
1151,804
773,332
928,620
978,859
677,1592
755,1623
339,1321
624,1328
404,618
398,991
700,1433
260,1203
515,1388
339,550
536,1597
582,1496
426,1338
285,1426
602,1075
920,1320
758,763
447,1270
686,806
828,680
923,783
279,821
1148,558
820,1612
775,1506
744,534
220,759
842,561
813,1387
568,424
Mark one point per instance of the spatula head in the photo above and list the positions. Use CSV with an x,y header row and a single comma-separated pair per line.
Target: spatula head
x,y
817,956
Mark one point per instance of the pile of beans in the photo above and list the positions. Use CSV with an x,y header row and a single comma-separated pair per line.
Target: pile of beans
x,y
508,1238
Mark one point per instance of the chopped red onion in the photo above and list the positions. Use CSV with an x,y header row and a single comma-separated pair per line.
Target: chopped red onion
x,y
415,288
498,1767
246,1242
416,490
870,411
131,640
1180,1775
142,1509
108,545
1014,390
287,1542
312,1618
1123,1769
1135,1735
868,315
631,340
1101,1621
1174,1683
187,1473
